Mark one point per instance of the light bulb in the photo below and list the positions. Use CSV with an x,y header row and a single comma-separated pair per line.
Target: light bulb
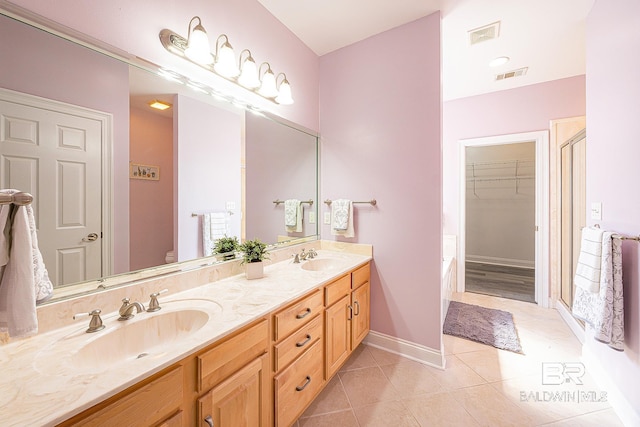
x,y
249,74
284,93
226,60
198,49
268,88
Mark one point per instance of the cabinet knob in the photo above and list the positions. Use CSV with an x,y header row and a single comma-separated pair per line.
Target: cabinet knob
x,y
209,420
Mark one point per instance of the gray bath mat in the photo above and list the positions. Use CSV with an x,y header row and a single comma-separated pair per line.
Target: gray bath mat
x,y
484,325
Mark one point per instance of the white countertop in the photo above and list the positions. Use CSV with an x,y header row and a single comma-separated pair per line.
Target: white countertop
x,y
42,384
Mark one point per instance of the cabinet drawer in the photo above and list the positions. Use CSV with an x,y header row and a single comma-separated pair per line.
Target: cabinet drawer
x,y
297,343
297,314
360,276
298,385
143,407
226,358
337,289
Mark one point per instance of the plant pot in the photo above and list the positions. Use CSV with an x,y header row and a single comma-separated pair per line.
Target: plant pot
x,y
226,256
254,270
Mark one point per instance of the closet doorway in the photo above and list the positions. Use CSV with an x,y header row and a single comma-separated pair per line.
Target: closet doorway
x,y
504,216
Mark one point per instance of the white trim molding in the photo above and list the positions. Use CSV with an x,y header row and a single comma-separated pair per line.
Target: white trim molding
x,y
407,349
541,139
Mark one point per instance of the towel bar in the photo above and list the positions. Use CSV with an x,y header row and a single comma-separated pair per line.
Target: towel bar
x,y
372,202
621,237
278,201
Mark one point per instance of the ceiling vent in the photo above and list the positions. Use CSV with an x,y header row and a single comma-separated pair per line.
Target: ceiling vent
x,y
482,34
513,73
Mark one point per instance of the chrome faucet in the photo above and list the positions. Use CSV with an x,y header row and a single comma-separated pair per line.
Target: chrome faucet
x,y
126,310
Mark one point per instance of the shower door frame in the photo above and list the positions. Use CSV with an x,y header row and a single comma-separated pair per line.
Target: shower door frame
x,y
541,139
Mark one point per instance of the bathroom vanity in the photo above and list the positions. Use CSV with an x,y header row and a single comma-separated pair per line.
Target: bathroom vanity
x,y
235,352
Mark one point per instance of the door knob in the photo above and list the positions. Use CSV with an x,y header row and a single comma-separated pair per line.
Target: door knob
x,y
90,237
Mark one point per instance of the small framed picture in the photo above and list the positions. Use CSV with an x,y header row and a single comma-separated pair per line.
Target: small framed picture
x,y
138,171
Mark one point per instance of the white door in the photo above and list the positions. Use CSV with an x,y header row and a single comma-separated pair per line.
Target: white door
x,y
56,156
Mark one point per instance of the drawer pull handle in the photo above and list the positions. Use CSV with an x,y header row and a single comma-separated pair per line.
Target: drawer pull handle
x,y
302,344
350,313
303,386
357,304
209,420
303,314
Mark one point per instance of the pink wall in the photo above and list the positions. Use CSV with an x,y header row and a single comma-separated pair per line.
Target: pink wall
x,y
133,26
57,69
151,202
613,131
524,109
380,108
281,164
207,158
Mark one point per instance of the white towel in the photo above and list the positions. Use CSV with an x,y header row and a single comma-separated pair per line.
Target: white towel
x,y
342,218
17,289
293,214
41,281
588,269
603,311
214,226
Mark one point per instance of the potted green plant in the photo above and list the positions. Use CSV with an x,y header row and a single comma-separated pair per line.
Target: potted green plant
x,y
226,246
253,253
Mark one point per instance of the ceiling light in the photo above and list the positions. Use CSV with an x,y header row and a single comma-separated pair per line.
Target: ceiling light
x,y
159,105
244,73
198,49
501,60
284,91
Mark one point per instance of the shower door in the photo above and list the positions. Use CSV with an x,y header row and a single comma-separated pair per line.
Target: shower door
x,y
572,210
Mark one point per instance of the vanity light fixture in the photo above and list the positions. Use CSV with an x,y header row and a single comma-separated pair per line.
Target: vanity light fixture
x,y
244,73
198,49
225,62
268,87
284,91
159,105
248,71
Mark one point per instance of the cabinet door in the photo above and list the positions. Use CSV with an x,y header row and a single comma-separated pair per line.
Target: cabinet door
x,y
360,298
239,401
338,334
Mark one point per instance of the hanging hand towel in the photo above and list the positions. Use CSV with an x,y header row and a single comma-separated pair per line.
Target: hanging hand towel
x,y
342,218
17,289
589,261
41,281
293,214
603,311
214,226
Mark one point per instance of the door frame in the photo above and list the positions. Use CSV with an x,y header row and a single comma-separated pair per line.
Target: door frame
x,y
541,139
106,153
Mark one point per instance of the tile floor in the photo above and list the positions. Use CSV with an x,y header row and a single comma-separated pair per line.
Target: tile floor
x,y
481,386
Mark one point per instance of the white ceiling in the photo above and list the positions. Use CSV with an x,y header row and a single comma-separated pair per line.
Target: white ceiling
x,y
547,36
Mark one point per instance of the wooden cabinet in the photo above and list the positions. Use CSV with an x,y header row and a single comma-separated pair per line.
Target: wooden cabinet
x,y
298,357
145,404
346,316
236,378
238,401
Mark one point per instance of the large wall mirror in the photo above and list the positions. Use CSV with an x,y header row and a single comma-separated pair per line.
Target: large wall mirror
x,y
120,187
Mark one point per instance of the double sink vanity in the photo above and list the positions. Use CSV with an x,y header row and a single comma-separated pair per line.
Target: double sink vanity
x,y
229,352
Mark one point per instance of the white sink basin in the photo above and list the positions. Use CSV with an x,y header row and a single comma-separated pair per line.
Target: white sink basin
x,y
320,264
146,335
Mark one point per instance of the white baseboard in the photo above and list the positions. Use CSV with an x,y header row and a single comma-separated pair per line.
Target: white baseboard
x,y
624,410
571,321
508,262
408,349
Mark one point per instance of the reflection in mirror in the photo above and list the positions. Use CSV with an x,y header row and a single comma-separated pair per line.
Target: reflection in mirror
x,y
151,175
